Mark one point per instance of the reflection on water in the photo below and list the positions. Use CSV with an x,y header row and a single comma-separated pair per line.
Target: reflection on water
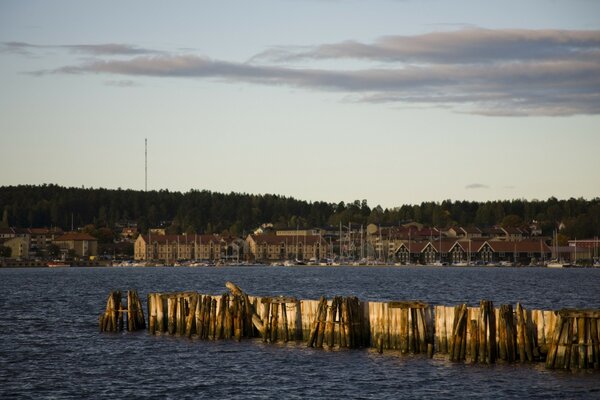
x,y
50,346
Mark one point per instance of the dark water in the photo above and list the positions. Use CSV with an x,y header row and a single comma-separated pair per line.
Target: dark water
x,y
50,346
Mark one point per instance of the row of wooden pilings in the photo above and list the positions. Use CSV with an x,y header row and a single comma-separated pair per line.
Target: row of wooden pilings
x,y
113,319
567,339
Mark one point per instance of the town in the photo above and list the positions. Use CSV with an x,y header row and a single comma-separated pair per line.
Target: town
x,y
403,244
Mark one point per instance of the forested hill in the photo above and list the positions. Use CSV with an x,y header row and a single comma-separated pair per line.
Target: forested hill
x,y
237,213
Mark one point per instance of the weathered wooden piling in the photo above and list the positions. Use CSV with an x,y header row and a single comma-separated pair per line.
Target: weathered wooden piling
x,y
113,318
567,339
575,340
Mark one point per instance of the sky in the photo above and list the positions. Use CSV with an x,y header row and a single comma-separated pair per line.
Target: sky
x,y
396,102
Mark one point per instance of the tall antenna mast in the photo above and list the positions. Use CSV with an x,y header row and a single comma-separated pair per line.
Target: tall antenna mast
x,y
146,164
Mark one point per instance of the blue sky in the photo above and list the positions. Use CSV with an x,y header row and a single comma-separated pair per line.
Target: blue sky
x,y
391,101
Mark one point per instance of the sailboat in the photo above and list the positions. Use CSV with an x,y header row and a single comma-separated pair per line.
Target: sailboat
x,y
556,262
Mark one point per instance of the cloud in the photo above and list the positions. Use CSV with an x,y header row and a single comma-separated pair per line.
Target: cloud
x,y
477,71
121,83
107,49
465,46
477,186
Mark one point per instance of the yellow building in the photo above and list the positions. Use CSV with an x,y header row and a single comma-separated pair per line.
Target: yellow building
x,y
170,248
19,247
82,244
281,247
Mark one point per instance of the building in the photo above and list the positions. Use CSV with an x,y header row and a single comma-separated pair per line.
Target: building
x,y
7,233
128,233
81,244
279,247
19,247
171,248
460,251
41,238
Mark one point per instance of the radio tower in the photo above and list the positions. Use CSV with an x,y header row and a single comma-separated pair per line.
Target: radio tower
x,y
146,164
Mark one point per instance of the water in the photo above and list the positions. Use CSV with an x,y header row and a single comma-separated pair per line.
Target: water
x,y
50,346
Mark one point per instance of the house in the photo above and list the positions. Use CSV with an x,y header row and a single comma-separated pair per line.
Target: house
x,y
297,232
41,238
7,233
19,247
129,233
523,252
471,232
512,234
82,244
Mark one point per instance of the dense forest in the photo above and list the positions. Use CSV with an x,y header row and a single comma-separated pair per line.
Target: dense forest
x,y
238,213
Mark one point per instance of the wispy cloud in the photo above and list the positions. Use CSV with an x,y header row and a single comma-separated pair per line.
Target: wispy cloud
x,y
121,83
477,186
106,49
485,72
465,46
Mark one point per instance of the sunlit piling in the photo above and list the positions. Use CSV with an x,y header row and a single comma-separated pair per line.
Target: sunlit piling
x,y
566,339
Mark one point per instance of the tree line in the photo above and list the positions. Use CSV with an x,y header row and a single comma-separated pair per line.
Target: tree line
x,y
237,214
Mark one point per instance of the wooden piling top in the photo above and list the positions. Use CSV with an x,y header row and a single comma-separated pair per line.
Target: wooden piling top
x,y
407,304
576,313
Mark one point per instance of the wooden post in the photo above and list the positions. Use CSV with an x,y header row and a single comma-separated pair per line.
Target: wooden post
x,y
200,316
160,312
181,314
228,324
581,341
502,332
207,315
151,314
346,323
315,325
473,339
554,344
520,333
492,352
594,339
213,319
274,322
422,330
322,324
330,329
266,318
444,333
341,338
189,323
239,319
221,317
172,311
284,320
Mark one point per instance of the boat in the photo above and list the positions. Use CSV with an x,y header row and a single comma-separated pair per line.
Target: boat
x,y
460,264
57,264
557,264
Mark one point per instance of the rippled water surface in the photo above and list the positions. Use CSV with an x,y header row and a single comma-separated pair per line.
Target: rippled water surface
x,y
50,346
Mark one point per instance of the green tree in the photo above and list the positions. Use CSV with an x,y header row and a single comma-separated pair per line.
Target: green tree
x,y
5,251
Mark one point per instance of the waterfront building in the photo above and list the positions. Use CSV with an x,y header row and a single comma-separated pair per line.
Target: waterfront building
x,y
171,248
279,247
19,247
82,244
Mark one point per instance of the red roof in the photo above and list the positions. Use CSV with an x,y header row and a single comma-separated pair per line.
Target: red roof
x,y
75,236
289,240
524,246
182,239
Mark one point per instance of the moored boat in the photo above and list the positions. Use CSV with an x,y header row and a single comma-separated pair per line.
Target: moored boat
x,y
56,264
